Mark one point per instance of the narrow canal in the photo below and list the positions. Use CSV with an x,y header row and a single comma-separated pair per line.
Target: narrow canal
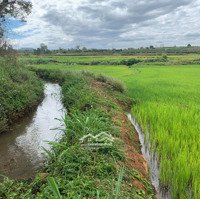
x,y
21,149
152,160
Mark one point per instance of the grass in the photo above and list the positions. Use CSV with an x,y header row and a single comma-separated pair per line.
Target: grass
x,y
167,105
76,172
20,91
112,59
169,109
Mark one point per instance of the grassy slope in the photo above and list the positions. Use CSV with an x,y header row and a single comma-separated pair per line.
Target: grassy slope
x,y
168,102
20,90
95,104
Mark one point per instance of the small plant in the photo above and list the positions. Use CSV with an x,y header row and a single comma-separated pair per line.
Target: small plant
x,y
118,184
54,187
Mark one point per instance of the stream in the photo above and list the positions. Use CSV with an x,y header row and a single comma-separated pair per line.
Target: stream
x,y
152,160
21,149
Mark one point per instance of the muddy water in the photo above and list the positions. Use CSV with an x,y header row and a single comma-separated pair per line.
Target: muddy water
x,y
152,160
21,152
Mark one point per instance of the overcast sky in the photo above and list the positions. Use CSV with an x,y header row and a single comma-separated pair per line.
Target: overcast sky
x,y
110,23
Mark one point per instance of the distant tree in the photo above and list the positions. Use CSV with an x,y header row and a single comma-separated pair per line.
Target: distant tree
x,y
7,50
37,51
84,49
151,47
189,45
77,47
42,50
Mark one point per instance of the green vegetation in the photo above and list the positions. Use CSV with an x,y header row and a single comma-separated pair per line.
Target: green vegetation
x,y
82,51
169,109
128,60
20,92
75,171
167,105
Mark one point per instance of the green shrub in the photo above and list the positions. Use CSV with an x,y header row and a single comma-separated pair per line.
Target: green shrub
x,y
129,62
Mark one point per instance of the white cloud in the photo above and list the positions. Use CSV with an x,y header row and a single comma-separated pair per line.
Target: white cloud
x,y
106,23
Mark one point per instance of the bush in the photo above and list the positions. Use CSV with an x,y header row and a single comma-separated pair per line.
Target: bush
x,y
129,62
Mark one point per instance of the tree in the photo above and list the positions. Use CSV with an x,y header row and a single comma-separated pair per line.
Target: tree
x,y
151,47
42,50
15,8
84,49
77,47
18,9
189,45
6,49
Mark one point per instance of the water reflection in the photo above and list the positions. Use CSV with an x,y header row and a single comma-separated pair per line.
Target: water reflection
x,y
152,160
21,151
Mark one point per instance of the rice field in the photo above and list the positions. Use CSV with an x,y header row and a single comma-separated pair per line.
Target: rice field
x,y
167,105
172,59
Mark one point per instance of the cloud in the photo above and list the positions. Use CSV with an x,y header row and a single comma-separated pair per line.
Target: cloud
x,y
110,23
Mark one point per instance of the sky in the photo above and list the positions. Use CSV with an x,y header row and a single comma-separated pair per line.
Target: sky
x,y
109,24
